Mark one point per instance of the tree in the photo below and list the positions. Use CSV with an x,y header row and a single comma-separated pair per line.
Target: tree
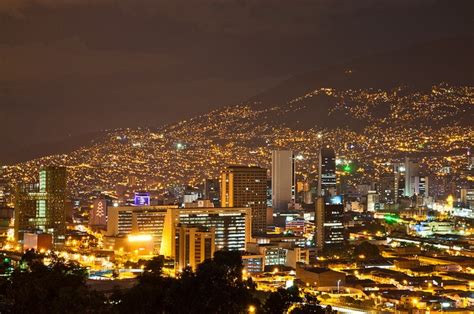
x,y
279,302
367,250
216,287
56,288
151,292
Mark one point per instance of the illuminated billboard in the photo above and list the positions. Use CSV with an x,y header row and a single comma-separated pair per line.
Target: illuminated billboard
x,y
98,214
142,199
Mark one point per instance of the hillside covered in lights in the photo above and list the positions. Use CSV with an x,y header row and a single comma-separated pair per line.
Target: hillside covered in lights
x,y
368,127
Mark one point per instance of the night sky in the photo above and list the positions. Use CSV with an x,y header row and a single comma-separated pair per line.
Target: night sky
x,y
69,67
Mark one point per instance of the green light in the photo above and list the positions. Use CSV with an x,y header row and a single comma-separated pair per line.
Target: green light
x,y
347,168
392,218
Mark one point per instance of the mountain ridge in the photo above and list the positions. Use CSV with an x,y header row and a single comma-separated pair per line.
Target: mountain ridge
x,y
452,57
365,125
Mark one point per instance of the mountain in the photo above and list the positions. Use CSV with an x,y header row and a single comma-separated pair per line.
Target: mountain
x,y
372,111
419,67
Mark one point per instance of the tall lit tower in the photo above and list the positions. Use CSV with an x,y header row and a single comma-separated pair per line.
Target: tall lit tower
x,y
327,172
328,222
412,178
283,179
41,207
243,186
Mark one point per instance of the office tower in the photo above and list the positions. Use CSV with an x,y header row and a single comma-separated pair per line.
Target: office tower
x,y
132,220
387,189
193,245
423,186
269,194
41,207
283,179
211,191
159,223
411,178
399,181
327,172
232,226
373,201
243,186
328,223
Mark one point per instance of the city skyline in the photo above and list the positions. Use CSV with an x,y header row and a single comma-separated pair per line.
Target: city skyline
x,y
237,156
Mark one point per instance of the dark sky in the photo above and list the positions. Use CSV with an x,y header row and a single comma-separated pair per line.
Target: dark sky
x,y
77,66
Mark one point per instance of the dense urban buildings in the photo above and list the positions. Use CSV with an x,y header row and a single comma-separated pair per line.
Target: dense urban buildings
x,y
348,188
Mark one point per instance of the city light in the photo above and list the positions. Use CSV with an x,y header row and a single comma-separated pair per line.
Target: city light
x,y
140,238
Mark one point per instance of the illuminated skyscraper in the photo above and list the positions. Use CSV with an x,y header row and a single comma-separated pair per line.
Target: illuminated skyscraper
x,y
327,172
283,179
41,207
412,178
243,186
328,223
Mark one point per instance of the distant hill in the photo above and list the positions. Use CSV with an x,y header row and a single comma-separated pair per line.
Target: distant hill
x,y
379,108
450,61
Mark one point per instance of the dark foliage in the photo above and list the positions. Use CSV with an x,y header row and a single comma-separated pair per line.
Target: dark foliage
x,y
56,288
368,250
217,286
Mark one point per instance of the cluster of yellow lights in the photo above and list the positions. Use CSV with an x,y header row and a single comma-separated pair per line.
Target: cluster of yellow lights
x,y
139,238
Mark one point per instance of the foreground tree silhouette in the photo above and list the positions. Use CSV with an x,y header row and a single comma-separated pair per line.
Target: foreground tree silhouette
x,y
280,301
216,287
57,288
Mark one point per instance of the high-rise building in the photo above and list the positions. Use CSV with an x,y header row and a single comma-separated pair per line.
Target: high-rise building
x,y
132,220
41,207
423,186
211,191
327,172
231,226
412,179
387,189
283,179
329,223
193,245
243,186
